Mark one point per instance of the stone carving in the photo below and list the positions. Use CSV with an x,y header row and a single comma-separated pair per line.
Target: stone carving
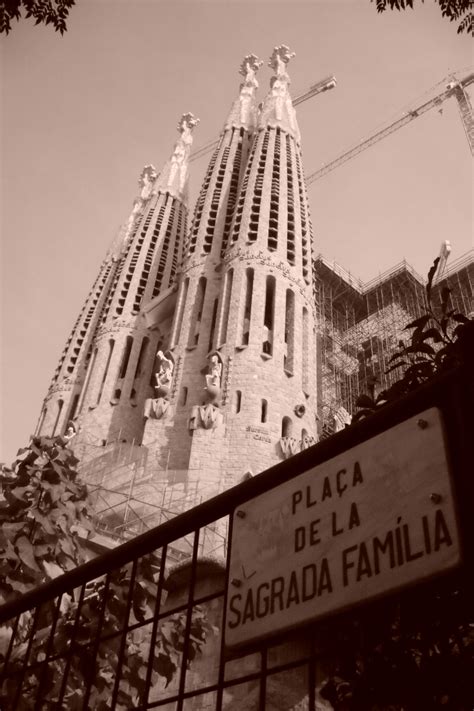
x,y
227,381
156,408
289,446
164,375
307,441
266,260
277,106
206,416
181,152
70,431
249,67
146,181
213,378
300,410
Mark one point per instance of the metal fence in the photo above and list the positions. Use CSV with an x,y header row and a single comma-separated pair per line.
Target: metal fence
x,y
134,629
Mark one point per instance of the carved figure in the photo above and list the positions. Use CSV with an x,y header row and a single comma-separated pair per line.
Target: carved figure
x,y
182,149
279,84
164,375
249,67
146,181
213,378
70,431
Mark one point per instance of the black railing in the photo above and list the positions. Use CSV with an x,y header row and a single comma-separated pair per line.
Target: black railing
x,y
134,629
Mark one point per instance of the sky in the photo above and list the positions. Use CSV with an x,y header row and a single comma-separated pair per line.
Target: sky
x,y
82,114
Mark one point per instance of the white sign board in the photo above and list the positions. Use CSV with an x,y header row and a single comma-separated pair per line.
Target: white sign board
x,y
372,520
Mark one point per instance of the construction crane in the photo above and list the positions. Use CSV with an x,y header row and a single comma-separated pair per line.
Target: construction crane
x,y
456,88
314,89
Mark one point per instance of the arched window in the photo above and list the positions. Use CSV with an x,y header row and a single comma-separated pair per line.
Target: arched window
x,y
58,415
87,381
247,311
238,401
288,358
41,422
180,312
126,357
213,325
141,357
264,411
305,348
195,327
184,395
269,316
224,323
106,370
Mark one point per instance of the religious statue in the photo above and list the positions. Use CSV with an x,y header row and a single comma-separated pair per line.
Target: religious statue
x,y
164,375
70,431
249,67
146,181
182,149
279,85
213,378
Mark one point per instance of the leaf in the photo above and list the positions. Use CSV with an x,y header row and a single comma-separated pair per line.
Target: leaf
x,y
460,318
434,334
26,553
431,274
365,401
419,322
52,570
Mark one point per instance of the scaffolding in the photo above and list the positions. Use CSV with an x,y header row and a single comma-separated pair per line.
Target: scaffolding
x,y
132,493
360,326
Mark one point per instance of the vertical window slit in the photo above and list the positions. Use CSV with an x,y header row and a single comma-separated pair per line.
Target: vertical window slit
x,y
126,357
229,277
106,370
197,315
269,316
288,358
60,407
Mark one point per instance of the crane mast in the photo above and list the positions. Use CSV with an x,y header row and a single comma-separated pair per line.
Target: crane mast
x,y
454,88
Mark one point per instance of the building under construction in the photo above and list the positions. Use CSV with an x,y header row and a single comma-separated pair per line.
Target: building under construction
x,y
210,351
360,327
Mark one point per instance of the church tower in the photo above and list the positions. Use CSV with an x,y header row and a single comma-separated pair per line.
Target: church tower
x,y
242,347
198,364
103,377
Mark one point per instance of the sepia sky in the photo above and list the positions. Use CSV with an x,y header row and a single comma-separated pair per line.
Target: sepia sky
x,y
82,114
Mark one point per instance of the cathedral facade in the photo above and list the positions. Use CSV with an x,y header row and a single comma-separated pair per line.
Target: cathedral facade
x,y
195,351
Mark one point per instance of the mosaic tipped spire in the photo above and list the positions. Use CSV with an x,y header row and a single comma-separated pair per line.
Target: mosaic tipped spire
x,y
244,109
277,109
174,176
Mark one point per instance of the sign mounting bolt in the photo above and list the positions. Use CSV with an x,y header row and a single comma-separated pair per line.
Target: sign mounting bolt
x,y
436,498
241,514
422,424
236,582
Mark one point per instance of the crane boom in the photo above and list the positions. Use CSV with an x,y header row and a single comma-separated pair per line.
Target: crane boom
x,y
318,88
454,88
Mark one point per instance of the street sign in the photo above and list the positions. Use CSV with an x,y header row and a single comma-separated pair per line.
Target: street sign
x,y
370,521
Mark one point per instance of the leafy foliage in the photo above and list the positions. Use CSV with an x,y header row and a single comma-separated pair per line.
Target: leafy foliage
x,y
404,656
50,12
435,346
44,508
453,10
419,653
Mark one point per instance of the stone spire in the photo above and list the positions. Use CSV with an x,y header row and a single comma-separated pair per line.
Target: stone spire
x,y
174,176
244,109
277,109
